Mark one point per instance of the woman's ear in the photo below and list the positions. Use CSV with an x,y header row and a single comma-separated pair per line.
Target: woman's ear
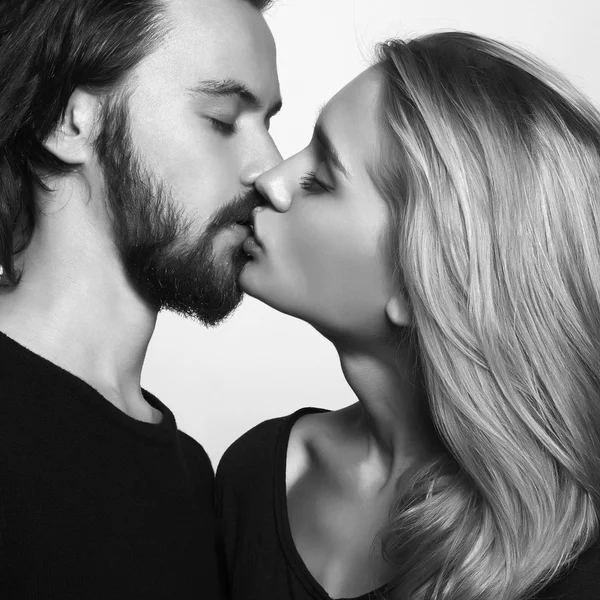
x,y
73,138
398,310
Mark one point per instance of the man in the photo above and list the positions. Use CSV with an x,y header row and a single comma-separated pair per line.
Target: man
x,y
131,134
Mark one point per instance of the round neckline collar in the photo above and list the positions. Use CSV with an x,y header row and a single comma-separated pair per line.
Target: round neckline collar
x,y
59,377
284,530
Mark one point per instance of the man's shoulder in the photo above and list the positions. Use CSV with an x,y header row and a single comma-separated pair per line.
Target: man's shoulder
x,y
195,455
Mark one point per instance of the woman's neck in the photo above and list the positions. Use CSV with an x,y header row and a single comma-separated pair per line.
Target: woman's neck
x,y
392,414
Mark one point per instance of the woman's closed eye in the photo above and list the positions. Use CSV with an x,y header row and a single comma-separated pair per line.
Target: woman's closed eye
x,y
311,184
222,126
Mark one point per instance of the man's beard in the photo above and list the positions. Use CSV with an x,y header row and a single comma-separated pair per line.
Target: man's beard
x,y
169,267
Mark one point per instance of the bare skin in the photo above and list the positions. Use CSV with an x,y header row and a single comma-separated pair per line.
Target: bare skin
x,y
75,305
342,476
321,256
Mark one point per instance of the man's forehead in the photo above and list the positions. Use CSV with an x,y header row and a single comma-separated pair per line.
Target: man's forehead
x,y
222,40
237,19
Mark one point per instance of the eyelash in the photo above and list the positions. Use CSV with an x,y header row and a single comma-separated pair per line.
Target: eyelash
x,y
222,126
309,181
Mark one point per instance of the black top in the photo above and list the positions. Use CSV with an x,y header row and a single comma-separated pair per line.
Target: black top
x,y
95,504
262,561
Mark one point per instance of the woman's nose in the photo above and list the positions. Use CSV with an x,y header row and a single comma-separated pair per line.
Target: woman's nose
x,y
272,186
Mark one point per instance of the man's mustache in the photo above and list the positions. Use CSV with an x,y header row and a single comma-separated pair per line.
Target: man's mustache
x,y
239,210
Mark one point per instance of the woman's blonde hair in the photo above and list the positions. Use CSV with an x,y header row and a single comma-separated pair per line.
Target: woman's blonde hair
x,y
492,171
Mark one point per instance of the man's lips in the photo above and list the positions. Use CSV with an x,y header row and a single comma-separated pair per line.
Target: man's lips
x,y
255,233
252,244
247,225
256,226
251,247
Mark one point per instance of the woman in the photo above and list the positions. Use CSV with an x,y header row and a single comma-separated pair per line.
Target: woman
x,y
442,230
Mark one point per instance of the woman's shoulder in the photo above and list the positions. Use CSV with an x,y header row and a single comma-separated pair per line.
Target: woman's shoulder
x,y
257,448
581,581
313,441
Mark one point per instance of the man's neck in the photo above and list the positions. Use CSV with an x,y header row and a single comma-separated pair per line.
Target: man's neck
x,y
76,307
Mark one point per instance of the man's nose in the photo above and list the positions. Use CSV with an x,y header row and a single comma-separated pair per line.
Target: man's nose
x,y
262,159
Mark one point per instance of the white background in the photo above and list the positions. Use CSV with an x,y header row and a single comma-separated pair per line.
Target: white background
x,y
261,364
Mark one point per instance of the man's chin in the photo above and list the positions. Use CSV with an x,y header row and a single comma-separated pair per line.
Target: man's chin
x,y
210,312
198,281
208,293
214,319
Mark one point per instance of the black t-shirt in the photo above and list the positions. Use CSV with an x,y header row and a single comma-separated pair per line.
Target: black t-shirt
x,y
95,504
262,561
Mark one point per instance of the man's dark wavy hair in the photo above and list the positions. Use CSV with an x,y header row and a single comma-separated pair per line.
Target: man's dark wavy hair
x,y
48,48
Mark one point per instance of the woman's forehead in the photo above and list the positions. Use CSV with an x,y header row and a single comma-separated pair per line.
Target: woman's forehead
x,y
351,116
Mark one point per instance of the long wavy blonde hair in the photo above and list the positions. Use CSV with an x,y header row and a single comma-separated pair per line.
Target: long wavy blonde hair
x,y
492,173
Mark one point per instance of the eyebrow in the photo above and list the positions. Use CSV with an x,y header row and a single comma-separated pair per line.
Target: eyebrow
x,y
231,87
329,149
